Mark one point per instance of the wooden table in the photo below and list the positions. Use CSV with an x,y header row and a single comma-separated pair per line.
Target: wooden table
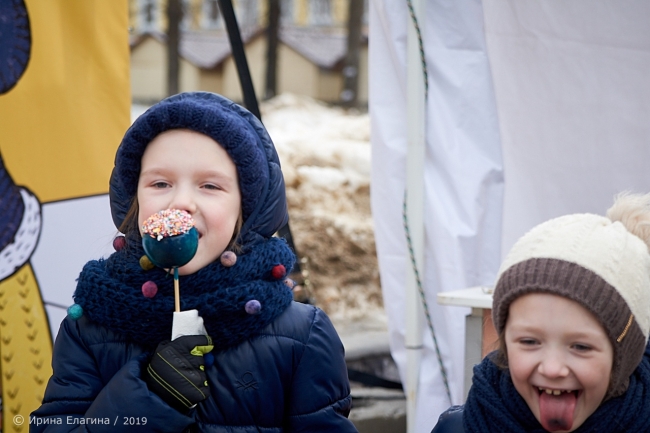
x,y
480,335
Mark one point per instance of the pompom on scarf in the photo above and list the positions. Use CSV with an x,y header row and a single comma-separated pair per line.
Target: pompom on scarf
x,y
110,293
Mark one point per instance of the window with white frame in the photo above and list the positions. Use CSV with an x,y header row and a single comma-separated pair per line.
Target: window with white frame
x,y
188,15
211,15
320,12
247,13
148,15
286,12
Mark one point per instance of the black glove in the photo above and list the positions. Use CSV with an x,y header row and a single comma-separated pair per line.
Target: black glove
x,y
177,373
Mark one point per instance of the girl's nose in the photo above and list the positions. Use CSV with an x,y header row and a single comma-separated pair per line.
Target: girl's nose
x,y
183,200
553,365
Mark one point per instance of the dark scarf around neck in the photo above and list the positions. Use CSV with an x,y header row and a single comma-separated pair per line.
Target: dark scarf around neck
x,y
494,405
110,293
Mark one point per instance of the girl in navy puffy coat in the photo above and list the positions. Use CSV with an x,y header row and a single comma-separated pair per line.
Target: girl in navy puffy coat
x,y
266,364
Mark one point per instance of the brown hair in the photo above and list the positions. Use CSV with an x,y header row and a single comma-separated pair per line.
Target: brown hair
x,y
500,358
130,223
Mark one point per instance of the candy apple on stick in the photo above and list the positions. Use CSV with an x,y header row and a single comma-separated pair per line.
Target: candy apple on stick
x,y
170,240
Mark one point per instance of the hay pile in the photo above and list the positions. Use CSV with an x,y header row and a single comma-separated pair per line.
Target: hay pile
x,y
325,156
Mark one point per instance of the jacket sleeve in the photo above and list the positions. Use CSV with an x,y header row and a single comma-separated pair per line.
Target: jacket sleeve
x,y
320,392
451,421
96,386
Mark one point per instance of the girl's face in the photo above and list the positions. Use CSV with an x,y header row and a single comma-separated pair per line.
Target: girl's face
x,y
183,169
560,359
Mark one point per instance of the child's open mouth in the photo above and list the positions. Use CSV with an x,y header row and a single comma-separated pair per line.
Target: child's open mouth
x,y
556,408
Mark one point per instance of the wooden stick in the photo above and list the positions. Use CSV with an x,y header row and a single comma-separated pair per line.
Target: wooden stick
x,y
177,292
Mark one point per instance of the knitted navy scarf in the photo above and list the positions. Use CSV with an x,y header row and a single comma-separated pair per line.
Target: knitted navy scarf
x,y
494,405
110,293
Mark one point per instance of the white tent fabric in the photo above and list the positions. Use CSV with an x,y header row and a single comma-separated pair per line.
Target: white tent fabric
x,y
573,98
463,178
563,96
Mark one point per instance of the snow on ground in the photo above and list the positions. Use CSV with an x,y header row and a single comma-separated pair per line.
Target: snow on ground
x,y
325,157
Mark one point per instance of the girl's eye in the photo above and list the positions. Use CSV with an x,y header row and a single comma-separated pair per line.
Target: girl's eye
x,y
211,187
528,341
581,347
160,185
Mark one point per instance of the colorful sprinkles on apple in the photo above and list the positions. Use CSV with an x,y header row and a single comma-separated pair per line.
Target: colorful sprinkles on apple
x,y
167,223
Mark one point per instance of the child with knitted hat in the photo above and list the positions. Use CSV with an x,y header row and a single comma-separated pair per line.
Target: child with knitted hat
x,y
261,361
572,310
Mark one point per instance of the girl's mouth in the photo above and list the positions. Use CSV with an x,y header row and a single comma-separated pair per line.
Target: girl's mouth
x,y
556,391
557,408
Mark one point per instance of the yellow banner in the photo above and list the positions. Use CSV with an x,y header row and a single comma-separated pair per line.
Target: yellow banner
x,y
62,121
64,106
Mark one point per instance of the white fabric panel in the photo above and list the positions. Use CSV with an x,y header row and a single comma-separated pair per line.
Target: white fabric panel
x,y
73,232
463,178
573,96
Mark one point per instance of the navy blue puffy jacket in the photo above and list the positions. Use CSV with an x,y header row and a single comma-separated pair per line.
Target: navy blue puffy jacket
x,y
96,384
451,421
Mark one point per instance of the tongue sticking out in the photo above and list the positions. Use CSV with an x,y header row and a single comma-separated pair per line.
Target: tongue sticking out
x,y
556,411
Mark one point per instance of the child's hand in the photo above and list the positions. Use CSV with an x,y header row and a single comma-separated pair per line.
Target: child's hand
x,y
177,373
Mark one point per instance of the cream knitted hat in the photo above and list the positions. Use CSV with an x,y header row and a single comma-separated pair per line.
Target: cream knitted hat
x,y
603,263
